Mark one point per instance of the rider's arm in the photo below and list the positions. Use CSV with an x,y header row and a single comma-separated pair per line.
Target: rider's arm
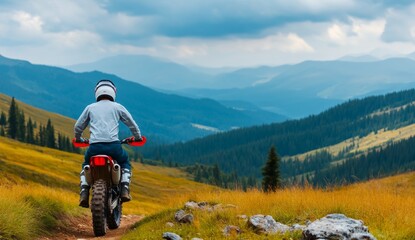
x,y
128,120
82,123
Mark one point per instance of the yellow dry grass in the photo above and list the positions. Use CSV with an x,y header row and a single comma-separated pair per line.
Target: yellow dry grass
x,y
363,144
37,180
386,206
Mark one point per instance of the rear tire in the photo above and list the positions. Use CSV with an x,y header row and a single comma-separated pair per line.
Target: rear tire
x,y
114,218
98,207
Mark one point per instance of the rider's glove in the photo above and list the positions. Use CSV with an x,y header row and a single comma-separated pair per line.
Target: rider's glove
x,y
130,139
81,140
134,139
139,139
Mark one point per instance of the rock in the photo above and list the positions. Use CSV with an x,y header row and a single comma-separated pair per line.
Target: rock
x,y
231,230
171,236
267,224
203,204
198,206
339,227
296,227
197,239
191,205
170,224
182,217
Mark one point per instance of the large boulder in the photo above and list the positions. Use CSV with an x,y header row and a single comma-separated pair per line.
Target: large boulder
x,y
171,236
182,217
266,224
337,227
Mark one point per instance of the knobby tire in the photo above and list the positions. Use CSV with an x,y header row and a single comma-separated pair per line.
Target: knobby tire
x,y
98,207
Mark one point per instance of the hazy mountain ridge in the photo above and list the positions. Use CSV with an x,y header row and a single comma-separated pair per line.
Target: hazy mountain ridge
x,y
295,90
167,116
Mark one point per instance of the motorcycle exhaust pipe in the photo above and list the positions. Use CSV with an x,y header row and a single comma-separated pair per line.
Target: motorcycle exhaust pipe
x,y
116,174
88,176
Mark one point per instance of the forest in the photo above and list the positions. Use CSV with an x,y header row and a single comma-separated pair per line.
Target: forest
x,y
15,126
244,150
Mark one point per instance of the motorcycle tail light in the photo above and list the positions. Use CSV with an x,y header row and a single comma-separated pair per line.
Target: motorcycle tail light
x,y
99,161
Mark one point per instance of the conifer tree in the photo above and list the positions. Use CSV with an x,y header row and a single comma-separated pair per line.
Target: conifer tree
x,y
2,132
3,119
271,172
61,142
12,120
41,139
30,135
21,127
216,175
50,135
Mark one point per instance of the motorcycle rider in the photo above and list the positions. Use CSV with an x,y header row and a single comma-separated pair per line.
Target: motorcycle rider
x,y
103,116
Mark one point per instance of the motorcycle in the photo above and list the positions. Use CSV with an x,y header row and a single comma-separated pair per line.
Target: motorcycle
x,y
104,175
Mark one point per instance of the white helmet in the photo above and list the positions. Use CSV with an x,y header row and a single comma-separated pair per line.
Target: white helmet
x,y
105,88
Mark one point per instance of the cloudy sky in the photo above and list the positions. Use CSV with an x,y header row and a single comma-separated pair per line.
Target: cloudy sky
x,y
214,33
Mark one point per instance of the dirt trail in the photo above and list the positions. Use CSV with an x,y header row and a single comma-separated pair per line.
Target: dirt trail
x,y
81,228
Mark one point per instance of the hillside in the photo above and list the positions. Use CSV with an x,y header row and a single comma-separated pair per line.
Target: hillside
x,y
244,150
39,186
163,116
383,206
61,123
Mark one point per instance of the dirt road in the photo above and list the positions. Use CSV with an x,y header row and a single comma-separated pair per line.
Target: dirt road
x,y
81,228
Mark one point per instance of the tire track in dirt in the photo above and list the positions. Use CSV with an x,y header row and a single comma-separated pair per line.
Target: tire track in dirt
x,y
81,228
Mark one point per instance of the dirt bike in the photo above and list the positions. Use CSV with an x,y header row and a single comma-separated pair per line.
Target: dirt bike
x,y
104,175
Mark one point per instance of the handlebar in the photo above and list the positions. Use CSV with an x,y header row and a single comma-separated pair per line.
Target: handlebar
x,y
128,141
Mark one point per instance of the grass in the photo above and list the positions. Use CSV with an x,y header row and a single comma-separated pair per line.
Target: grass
x,y
365,143
31,209
39,187
386,206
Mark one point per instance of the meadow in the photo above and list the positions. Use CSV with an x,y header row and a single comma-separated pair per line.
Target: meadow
x,y
386,206
39,188
62,124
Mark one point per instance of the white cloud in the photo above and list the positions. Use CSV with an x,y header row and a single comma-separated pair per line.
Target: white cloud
x,y
268,32
27,22
337,34
400,25
231,51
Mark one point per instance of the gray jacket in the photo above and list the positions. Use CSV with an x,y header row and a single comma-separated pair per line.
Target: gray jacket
x,y
104,117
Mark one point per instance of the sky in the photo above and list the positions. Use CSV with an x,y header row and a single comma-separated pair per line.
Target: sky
x,y
214,33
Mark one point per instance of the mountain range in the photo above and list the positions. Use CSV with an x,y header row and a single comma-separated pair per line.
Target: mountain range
x,y
296,90
166,117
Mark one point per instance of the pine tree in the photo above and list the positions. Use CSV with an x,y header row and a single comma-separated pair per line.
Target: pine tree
x,y
60,142
30,135
21,126
216,175
2,132
50,135
41,136
12,120
3,119
271,172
